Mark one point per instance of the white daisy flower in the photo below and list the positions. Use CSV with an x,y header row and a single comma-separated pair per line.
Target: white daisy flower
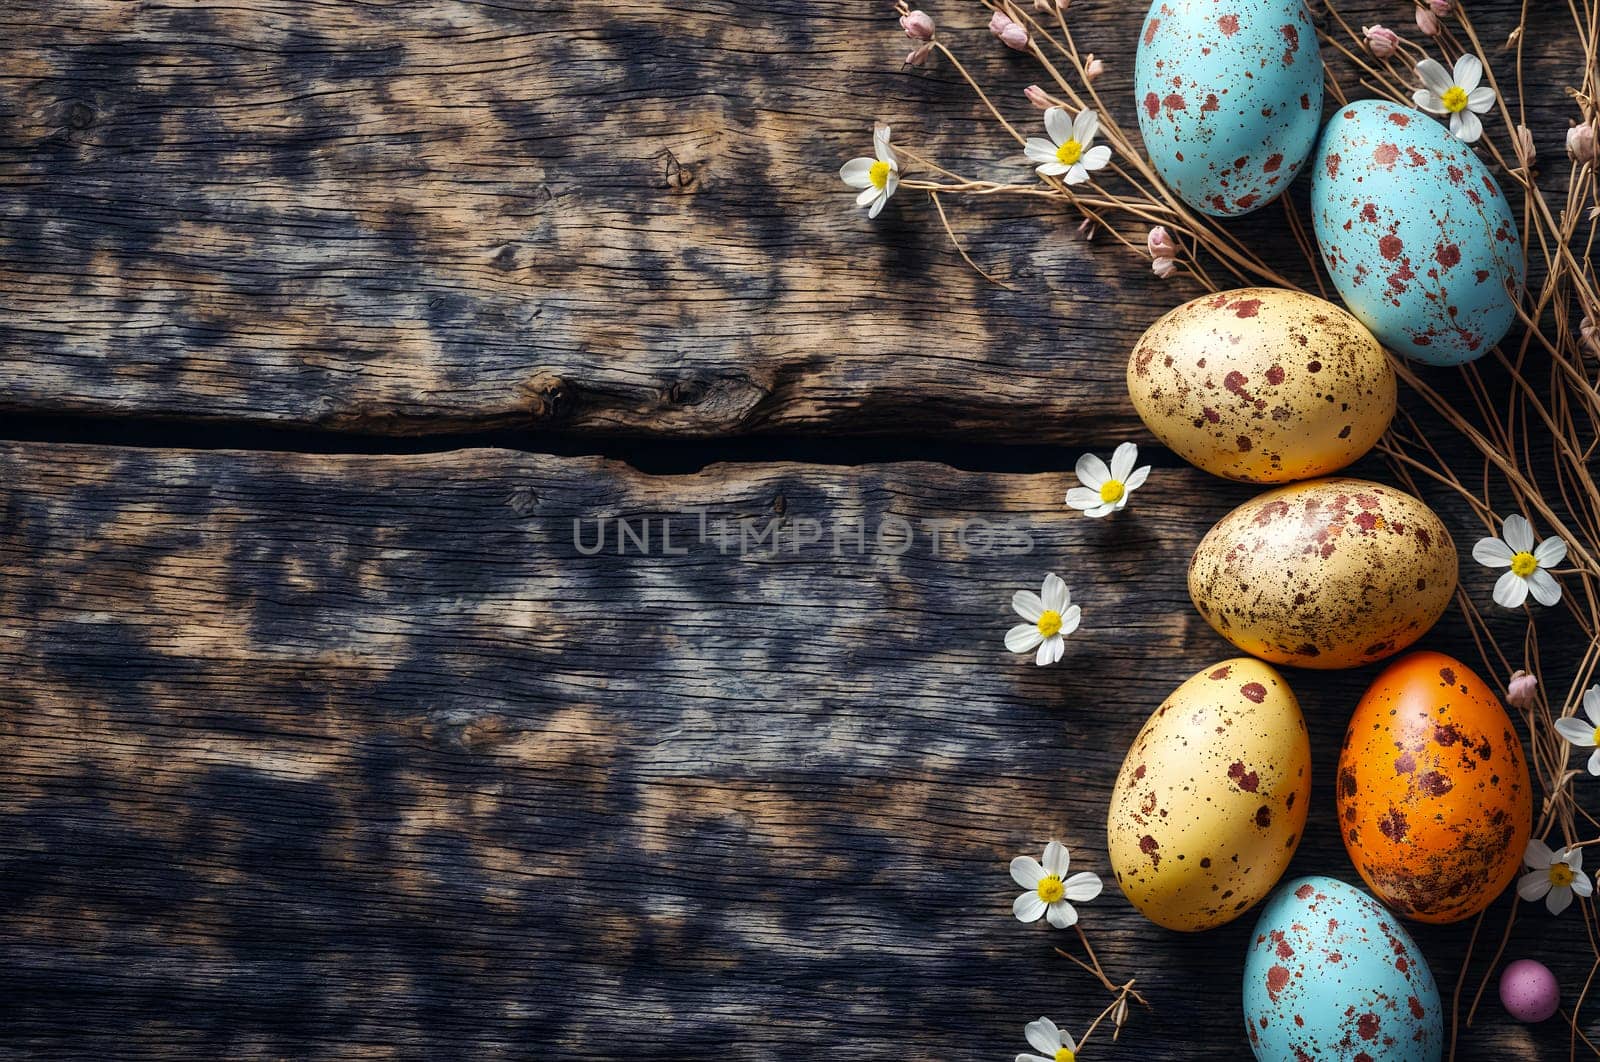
x,y
1553,875
1528,564
1050,892
1585,734
1057,1044
1069,152
1051,616
1455,93
1105,490
877,177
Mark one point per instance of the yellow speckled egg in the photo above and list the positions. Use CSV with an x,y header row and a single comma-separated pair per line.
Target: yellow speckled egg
x,y
1327,574
1262,385
1211,800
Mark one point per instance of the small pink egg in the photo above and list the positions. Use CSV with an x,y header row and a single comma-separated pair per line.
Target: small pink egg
x,y
1529,991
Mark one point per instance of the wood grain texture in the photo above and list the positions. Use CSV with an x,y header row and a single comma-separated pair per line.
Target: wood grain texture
x,y
420,217
332,757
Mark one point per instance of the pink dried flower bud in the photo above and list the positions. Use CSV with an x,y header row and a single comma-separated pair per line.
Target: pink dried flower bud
x,y
1527,151
918,25
1159,243
1092,67
1441,8
1580,143
1521,690
1038,97
1164,267
1011,35
1427,22
998,23
1381,41
919,55
1087,229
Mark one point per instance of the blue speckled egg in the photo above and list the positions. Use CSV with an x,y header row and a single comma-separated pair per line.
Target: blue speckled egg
x,y
1331,974
1230,98
1417,235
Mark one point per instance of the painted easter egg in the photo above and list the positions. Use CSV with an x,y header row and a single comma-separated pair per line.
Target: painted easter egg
x,y
1262,385
1330,573
1331,974
1230,98
1434,799
1211,800
1529,991
1416,233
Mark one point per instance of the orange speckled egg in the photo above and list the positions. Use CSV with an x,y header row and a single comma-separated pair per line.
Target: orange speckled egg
x,y
1433,793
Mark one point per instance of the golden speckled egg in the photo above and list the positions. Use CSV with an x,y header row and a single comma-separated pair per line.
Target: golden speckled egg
x,y
1212,797
1262,385
1327,574
1433,792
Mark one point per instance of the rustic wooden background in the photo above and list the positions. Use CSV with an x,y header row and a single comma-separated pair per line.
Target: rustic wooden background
x,y
323,323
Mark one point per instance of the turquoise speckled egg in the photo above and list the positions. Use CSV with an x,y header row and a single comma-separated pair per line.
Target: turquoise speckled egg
x,y
1417,235
1331,974
1230,98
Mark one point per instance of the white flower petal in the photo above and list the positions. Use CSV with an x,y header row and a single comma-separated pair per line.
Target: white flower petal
x,y
1435,76
1583,886
868,194
1070,619
880,144
1025,1057
1518,533
1058,125
1538,855
1083,887
1468,72
1068,1042
1077,174
1043,1036
1062,915
1577,731
1591,704
1055,858
1028,907
877,205
1096,157
1492,553
1028,605
1572,857
1046,654
1092,472
1510,590
1481,100
1039,150
1558,900
892,184
1545,589
1533,885
1057,646
1053,169
1429,101
1084,128
1026,871
1594,763
1137,480
1054,593
1023,638
1123,459
1467,127
1551,552
1103,509
1083,498
857,173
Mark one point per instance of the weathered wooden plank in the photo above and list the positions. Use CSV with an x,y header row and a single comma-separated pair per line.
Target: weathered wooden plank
x,y
419,217
323,757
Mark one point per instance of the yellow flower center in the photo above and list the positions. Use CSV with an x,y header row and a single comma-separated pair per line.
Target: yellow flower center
x,y
1066,1055
1455,99
1069,153
1524,564
1112,491
879,175
1051,889
1596,735
1049,627
1561,875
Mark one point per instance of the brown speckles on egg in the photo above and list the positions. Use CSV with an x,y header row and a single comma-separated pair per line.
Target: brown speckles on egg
x,y
1253,418
1325,574
1465,827
1229,778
